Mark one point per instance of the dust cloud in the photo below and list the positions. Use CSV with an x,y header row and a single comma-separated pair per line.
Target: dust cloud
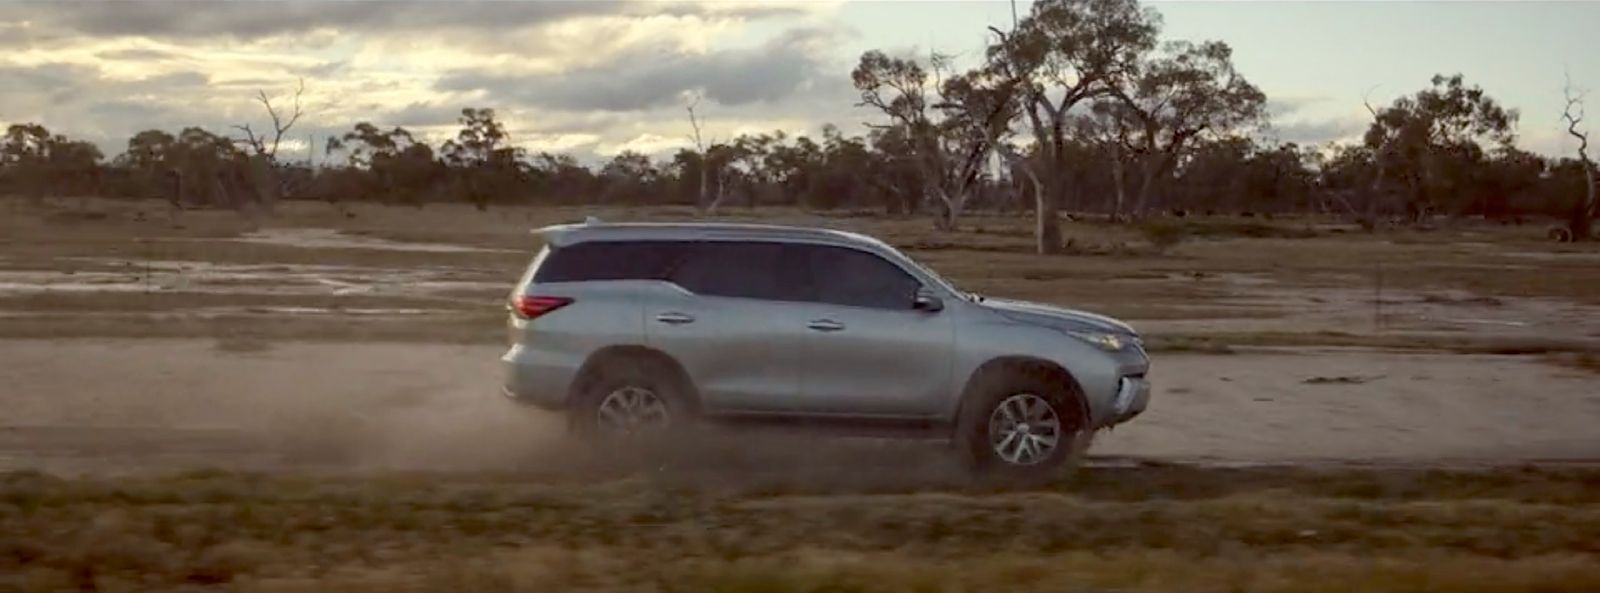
x,y
151,405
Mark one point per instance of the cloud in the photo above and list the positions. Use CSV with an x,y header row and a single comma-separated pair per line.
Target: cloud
x,y
138,54
655,77
248,20
421,114
649,144
557,143
589,78
140,114
1278,107
1318,131
48,77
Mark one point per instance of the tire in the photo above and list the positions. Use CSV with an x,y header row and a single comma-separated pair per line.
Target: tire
x,y
660,401
982,435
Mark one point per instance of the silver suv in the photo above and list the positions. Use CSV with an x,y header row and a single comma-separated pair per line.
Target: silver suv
x,y
637,327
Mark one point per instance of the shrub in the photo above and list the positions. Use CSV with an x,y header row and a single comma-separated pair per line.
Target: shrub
x,y
1164,235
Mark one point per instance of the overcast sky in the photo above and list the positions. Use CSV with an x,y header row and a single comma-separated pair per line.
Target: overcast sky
x,y
595,78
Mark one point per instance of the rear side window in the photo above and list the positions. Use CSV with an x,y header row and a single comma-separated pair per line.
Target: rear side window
x,y
611,260
749,270
843,276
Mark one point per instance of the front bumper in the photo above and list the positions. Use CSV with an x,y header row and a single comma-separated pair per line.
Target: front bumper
x,y
1133,395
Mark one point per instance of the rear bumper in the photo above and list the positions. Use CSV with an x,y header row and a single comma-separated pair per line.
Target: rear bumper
x,y
526,381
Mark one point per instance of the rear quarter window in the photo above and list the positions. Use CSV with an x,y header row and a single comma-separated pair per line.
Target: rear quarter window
x,y
611,260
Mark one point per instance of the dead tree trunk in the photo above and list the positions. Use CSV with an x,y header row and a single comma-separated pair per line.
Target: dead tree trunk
x,y
262,174
1118,186
1380,161
1581,221
1047,226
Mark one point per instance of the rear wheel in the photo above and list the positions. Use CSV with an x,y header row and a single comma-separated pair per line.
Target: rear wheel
x,y
1021,425
630,398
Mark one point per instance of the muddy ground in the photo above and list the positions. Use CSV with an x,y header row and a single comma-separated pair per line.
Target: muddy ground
x,y
310,402
141,339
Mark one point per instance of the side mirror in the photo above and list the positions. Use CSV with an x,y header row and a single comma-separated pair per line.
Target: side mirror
x,y
925,301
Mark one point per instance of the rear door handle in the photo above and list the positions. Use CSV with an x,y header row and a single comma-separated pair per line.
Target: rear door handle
x,y
825,325
675,318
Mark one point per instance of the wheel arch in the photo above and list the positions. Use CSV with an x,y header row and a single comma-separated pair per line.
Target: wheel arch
x,y
599,360
999,367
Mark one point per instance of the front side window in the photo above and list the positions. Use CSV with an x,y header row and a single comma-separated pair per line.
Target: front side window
x,y
844,276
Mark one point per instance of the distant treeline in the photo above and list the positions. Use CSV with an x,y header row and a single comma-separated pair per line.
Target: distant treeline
x,y
1080,108
1227,175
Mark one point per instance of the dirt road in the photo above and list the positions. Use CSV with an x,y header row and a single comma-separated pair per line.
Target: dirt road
x,y
116,406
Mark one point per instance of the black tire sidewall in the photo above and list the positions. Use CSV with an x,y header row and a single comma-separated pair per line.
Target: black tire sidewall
x,y
582,419
973,437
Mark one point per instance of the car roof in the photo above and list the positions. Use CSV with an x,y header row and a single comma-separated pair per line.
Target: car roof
x,y
594,230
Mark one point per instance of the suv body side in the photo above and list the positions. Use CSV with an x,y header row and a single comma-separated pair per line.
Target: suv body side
x,y
792,354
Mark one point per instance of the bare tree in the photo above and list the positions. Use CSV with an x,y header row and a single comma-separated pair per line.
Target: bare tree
x,y
1583,214
1381,142
261,169
710,164
280,126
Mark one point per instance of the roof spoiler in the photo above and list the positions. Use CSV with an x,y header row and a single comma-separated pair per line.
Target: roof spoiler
x,y
553,234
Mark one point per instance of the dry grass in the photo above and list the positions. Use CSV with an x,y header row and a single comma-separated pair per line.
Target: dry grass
x,y
1582,361
1140,529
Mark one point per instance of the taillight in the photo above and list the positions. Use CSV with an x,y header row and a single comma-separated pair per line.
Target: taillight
x,y
530,307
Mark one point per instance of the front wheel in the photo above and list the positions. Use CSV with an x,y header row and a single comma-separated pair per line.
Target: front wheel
x,y
1021,427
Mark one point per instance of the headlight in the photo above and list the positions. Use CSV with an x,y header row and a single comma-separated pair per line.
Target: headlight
x,y
1102,340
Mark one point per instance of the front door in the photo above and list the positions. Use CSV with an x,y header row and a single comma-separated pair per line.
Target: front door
x,y
868,351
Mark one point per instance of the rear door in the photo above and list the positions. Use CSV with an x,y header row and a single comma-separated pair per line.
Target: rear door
x,y
729,316
868,352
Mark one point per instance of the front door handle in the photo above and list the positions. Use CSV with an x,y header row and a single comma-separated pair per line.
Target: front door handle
x,y
675,318
825,325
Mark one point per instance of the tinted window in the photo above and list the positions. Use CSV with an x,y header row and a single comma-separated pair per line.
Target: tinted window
x,y
843,276
744,270
611,260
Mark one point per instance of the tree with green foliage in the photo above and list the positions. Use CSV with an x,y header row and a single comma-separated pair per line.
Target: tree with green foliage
x,y
1431,143
1064,54
1188,94
397,167
483,162
39,163
950,135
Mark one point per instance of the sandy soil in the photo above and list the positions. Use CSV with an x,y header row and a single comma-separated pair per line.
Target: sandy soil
x,y
116,406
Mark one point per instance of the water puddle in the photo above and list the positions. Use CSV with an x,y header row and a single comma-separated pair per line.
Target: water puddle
x,y
114,276
335,239
1554,255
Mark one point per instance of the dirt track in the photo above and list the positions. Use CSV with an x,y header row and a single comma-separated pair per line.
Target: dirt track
x,y
333,342
104,405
